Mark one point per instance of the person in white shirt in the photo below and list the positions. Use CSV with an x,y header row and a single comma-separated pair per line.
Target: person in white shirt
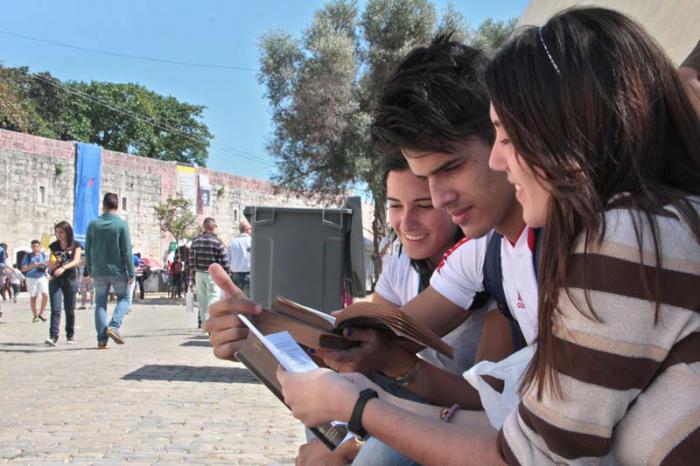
x,y
239,256
424,234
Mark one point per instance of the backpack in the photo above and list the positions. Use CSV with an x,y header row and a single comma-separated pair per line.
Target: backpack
x,y
28,256
493,281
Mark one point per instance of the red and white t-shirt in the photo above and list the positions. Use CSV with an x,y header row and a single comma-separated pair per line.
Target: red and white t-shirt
x,y
460,276
399,283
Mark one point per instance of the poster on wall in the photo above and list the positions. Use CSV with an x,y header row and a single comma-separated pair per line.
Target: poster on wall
x,y
87,188
204,190
187,185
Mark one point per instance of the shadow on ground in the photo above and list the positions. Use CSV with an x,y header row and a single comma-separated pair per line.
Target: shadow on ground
x,y
204,343
158,299
178,373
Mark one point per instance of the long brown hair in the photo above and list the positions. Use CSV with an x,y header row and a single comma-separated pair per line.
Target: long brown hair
x,y
593,106
68,229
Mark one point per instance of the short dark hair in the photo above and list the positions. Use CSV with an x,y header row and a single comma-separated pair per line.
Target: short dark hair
x,y
434,99
209,223
394,162
110,201
36,241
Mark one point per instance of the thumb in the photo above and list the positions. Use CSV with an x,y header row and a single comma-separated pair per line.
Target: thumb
x,y
223,281
281,374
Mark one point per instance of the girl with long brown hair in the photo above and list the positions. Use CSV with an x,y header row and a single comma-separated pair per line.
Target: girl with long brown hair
x,y
63,285
597,135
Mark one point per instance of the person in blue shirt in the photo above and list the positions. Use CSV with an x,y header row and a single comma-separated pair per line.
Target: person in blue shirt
x,y
34,268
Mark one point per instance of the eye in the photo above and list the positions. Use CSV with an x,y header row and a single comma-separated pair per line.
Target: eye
x,y
424,206
395,206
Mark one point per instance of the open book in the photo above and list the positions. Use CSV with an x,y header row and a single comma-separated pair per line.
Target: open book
x,y
262,353
316,330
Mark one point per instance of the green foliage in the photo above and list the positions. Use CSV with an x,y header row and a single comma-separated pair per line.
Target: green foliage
x,y
322,88
119,117
175,216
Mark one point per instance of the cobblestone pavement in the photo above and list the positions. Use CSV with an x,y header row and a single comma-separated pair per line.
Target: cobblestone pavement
x,y
161,398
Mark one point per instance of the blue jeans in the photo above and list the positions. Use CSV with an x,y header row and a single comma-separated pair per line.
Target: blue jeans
x,y
130,293
102,285
62,293
376,453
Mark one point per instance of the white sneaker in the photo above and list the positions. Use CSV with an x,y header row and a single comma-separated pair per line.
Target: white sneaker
x,y
70,341
50,342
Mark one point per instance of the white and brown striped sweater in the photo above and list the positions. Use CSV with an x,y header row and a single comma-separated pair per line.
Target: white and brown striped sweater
x,y
630,385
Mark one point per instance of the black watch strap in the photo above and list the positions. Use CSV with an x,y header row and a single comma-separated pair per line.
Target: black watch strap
x,y
355,423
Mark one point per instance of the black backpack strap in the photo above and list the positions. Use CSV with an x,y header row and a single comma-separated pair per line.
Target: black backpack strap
x,y
493,275
538,247
493,284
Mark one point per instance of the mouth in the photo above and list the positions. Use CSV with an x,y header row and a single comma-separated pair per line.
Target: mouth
x,y
461,215
414,236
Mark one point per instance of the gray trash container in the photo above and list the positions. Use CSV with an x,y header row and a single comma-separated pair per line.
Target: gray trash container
x,y
300,254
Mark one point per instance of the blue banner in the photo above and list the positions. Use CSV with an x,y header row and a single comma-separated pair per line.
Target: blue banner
x,y
87,188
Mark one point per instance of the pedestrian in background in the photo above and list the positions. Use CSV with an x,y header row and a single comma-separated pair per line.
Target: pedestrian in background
x,y
108,260
206,249
34,267
16,278
239,256
65,258
86,287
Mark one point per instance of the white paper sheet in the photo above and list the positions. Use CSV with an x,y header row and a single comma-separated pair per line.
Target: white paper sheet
x,y
290,355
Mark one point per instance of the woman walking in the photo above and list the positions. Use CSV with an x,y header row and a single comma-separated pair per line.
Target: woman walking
x,y
65,258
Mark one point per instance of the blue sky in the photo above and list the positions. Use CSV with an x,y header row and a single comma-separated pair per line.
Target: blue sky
x,y
206,31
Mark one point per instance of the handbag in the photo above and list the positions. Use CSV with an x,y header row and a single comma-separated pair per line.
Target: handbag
x,y
510,370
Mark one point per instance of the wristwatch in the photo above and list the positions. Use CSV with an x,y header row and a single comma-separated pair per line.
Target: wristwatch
x,y
355,423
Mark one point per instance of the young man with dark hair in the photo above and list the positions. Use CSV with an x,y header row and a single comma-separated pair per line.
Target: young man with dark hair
x,y
434,109
34,268
108,261
206,249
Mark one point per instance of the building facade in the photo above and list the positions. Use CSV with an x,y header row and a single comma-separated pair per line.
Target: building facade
x,y
37,190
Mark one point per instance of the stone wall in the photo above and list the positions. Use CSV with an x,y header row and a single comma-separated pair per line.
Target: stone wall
x,y
37,189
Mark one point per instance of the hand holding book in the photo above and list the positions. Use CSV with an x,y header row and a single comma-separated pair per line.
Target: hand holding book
x,y
227,333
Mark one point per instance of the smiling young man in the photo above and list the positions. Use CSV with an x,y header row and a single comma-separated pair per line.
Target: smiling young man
x,y
435,110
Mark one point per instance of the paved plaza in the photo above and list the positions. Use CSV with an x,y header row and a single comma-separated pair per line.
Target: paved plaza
x,y
161,398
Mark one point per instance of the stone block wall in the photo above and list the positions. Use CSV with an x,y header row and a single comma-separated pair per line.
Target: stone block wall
x,y
37,189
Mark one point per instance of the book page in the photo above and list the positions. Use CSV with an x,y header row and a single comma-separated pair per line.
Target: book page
x,y
290,355
327,317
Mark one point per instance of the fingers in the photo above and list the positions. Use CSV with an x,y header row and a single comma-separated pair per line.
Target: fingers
x,y
234,304
228,350
227,335
223,281
356,334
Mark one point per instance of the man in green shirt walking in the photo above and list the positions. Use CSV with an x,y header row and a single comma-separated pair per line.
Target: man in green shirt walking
x,y
108,261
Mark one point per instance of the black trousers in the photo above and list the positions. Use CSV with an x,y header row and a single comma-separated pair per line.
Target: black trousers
x,y
141,280
62,292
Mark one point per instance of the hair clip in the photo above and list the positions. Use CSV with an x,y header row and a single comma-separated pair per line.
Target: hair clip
x,y
551,59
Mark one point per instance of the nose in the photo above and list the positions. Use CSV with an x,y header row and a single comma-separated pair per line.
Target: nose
x,y
497,160
409,219
442,193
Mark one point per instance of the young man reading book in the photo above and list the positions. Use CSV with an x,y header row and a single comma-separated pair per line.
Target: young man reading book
x,y
435,110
